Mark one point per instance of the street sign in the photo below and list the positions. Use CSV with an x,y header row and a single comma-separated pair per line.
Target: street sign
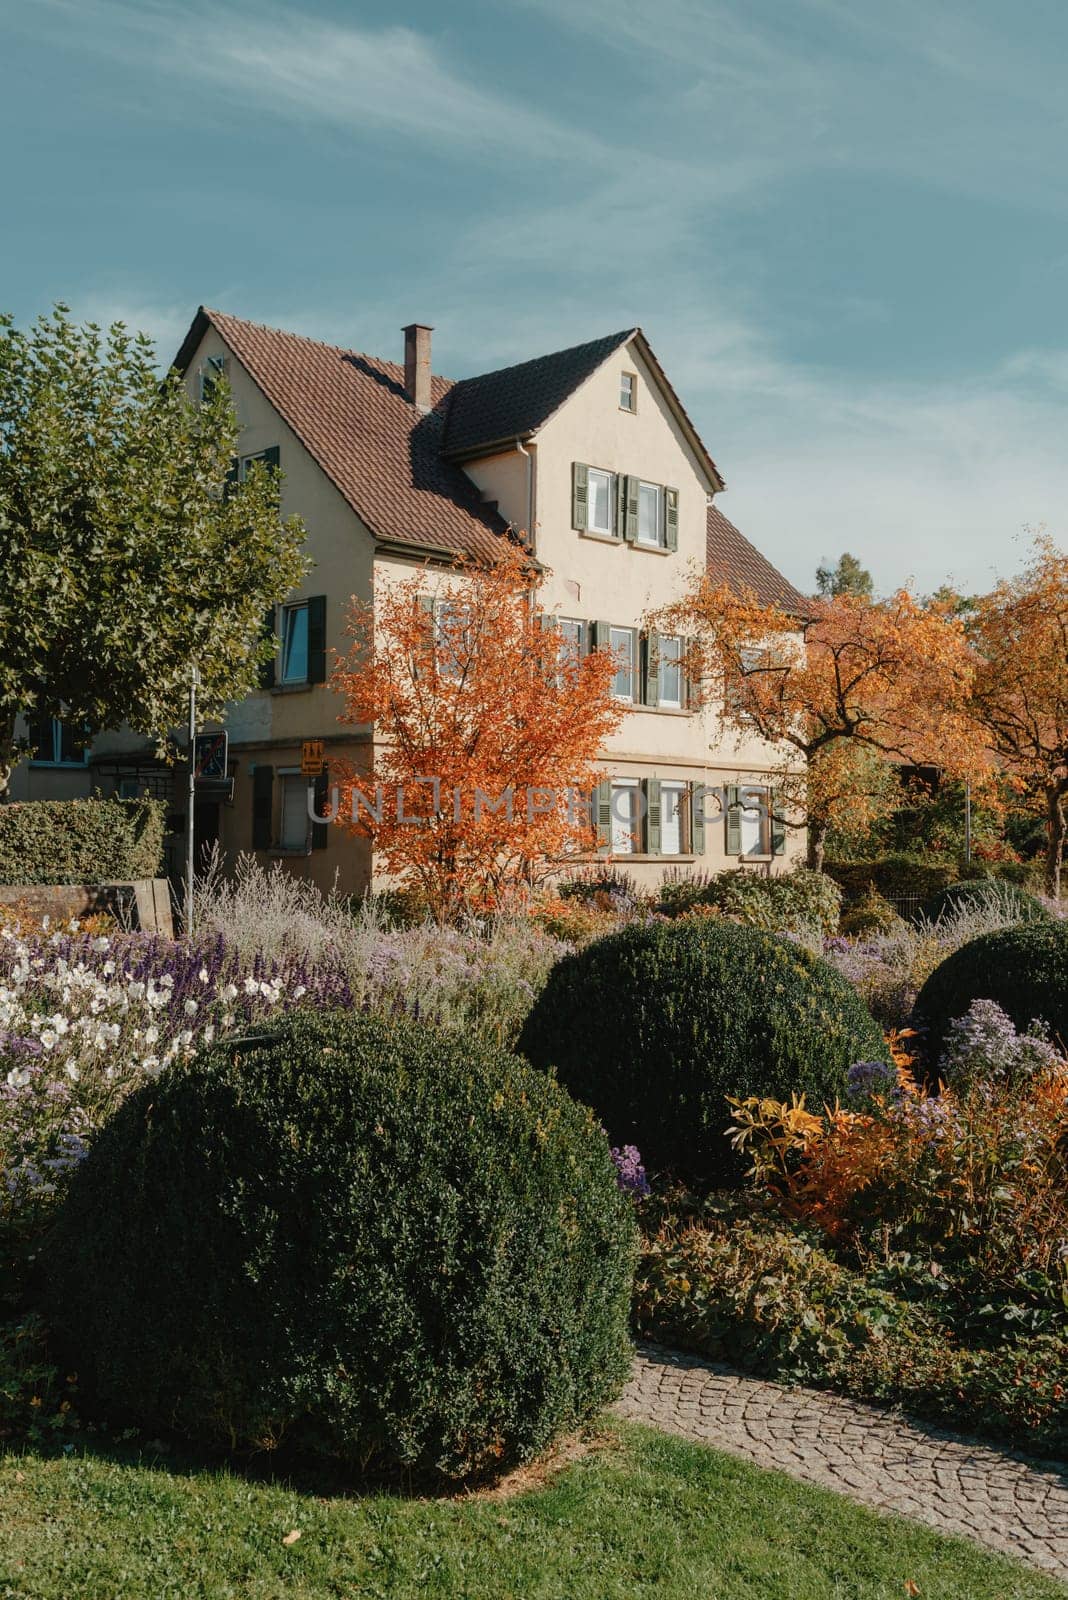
x,y
209,756
311,758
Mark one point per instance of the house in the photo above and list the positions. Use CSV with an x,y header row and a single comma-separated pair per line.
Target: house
x,y
591,454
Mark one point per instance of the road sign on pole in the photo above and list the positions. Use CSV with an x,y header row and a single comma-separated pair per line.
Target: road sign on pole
x,y
211,755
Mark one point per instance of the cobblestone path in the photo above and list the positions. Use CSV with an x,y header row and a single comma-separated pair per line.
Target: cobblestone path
x,y
1013,1505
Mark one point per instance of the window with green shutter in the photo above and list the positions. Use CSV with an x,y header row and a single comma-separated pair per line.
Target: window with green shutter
x,y
671,519
651,669
733,820
697,819
580,495
602,812
629,505
652,830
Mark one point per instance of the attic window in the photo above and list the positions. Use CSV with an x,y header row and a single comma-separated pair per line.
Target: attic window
x,y
628,392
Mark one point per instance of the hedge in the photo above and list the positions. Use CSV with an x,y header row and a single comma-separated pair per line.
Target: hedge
x,y
657,1025
359,1237
1023,968
80,841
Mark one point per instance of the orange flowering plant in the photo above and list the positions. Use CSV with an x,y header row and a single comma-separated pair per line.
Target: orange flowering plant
x,y
486,732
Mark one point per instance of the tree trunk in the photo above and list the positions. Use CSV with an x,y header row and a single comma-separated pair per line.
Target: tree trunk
x,y
818,829
9,754
1056,826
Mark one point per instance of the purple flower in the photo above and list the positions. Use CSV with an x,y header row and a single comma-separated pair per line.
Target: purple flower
x,y
867,1079
630,1174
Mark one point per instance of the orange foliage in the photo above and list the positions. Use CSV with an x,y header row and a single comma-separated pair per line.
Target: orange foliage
x,y
884,676
486,702
1020,693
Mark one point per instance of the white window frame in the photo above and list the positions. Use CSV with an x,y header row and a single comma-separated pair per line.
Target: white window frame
x,y
662,699
210,373
289,613
606,531
450,666
656,543
632,661
246,463
755,823
628,392
680,791
293,783
628,843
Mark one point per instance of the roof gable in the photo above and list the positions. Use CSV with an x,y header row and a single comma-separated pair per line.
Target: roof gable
x,y
353,417
730,558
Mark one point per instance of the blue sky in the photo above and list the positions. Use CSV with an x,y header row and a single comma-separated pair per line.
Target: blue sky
x,y
841,223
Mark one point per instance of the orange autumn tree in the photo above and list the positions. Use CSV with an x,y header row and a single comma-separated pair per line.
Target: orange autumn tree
x,y
486,729
1020,694
856,677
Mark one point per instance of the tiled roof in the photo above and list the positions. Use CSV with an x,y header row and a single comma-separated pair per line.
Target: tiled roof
x,y
514,401
351,413
732,559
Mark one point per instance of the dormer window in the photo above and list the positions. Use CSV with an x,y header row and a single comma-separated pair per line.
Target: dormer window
x,y
628,392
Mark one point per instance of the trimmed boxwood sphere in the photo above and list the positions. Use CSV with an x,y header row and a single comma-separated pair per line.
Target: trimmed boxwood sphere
x,y
656,1025
1023,968
379,1244
981,893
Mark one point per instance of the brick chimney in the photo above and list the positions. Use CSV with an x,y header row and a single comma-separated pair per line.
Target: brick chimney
x,y
417,364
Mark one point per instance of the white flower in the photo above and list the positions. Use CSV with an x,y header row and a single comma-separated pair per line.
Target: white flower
x,y
72,1072
18,1077
102,943
209,1033
48,1038
203,974
230,992
151,1035
299,990
191,1008
251,986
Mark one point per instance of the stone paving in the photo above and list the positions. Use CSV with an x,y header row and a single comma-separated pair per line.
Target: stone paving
x,y
1003,1500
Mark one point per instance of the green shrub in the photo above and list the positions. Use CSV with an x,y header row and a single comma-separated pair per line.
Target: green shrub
x,y
791,902
360,1237
997,894
80,841
873,914
1023,968
656,1025
894,877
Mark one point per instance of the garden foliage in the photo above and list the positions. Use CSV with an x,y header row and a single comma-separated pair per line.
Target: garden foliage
x,y
1014,903
80,841
1024,968
654,1026
797,902
358,1238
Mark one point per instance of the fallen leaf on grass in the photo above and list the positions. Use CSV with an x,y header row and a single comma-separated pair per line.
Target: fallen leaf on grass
x,y
292,1536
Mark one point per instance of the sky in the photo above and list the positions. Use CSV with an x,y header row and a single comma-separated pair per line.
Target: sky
x,y
842,224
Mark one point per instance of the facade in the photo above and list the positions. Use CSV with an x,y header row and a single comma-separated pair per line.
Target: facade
x,y
590,454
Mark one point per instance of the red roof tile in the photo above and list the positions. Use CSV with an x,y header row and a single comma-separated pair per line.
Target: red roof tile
x,y
732,559
353,417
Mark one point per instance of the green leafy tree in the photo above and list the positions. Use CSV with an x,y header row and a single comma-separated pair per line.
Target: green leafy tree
x,y
128,553
846,577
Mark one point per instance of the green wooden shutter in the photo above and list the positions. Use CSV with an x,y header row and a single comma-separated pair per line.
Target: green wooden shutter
x,y
580,496
734,820
602,814
778,825
671,519
317,638
320,833
697,820
600,636
684,677
630,498
262,806
651,675
272,458
636,665
267,669
652,816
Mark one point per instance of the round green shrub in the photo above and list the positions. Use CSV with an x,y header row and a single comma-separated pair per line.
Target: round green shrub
x,y
362,1239
986,894
656,1025
873,914
1023,968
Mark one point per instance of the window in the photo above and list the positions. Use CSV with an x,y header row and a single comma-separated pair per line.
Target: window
x,y
650,513
295,644
572,636
621,642
295,831
755,822
245,464
625,816
210,373
669,673
672,810
57,743
628,392
451,637
600,515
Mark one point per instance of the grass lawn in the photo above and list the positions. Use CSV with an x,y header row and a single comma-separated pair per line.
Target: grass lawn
x,y
643,1515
